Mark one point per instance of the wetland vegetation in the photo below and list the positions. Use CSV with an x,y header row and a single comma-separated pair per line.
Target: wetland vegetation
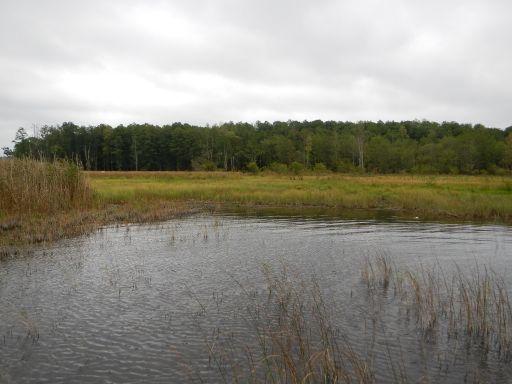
x,y
428,197
43,201
171,231
299,338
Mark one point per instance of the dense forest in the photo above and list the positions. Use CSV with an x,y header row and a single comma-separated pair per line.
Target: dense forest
x,y
384,147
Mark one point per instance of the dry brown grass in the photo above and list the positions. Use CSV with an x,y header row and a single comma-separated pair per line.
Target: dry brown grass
x,y
46,201
29,229
28,186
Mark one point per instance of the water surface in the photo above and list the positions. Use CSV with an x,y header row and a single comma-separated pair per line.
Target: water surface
x,y
136,303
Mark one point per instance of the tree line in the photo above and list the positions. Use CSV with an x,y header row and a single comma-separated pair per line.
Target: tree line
x,y
381,147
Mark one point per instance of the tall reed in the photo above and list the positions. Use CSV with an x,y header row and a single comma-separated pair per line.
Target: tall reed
x,y
32,186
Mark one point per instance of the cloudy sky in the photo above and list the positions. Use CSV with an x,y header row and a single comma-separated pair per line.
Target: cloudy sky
x,y
200,61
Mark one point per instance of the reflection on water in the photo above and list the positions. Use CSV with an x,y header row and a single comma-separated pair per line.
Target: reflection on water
x,y
134,304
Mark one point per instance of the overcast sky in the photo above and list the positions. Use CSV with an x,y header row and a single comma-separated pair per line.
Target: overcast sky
x,y
199,61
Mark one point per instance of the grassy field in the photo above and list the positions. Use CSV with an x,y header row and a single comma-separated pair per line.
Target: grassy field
x,y
47,201
487,198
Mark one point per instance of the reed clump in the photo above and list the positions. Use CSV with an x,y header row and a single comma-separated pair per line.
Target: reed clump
x,y
471,305
32,186
45,201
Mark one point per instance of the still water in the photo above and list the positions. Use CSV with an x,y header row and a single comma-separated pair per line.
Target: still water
x,y
135,304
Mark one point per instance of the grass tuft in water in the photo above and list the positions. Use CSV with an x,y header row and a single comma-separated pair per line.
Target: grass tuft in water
x,y
293,339
474,306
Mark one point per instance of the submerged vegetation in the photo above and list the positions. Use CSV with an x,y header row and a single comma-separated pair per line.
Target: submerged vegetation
x,y
294,339
474,306
296,333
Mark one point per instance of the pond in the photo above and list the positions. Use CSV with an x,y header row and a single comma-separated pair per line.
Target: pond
x,y
143,303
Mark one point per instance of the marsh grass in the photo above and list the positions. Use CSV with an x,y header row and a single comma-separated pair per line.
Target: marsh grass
x,y
46,201
40,228
41,200
32,186
296,340
470,306
428,197
293,334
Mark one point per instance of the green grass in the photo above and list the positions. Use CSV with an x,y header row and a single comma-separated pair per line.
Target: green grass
x,y
461,197
44,202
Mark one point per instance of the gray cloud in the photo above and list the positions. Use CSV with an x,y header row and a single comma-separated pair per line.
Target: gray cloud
x,y
205,61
